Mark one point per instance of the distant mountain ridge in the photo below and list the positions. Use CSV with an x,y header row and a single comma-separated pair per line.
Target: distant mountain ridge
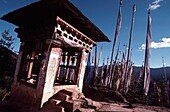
x,y
156,73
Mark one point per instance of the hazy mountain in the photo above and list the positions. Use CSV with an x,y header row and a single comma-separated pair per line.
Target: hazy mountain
x,y
156,73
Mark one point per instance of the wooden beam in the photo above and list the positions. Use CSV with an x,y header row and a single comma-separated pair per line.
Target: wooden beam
x,y
67,69
59,19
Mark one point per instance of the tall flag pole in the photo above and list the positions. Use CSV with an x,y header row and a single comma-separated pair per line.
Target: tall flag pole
x,y
139,76
118,25
102,71
166,81
95,72
131,29
100,54
147,58
165,77
97,64
125,45
88,69
129,74
129,48
114,67
167,92
123,66
106,72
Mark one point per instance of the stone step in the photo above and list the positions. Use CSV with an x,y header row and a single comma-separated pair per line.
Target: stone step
x,y
55,101
63,97
72,105
97,105
71,92
84,110
91,104
48,107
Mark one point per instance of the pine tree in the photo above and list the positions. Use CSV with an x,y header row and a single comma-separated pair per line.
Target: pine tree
x,y
7,40
7,63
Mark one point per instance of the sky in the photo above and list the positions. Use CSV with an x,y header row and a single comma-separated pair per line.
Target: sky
x,y
103,13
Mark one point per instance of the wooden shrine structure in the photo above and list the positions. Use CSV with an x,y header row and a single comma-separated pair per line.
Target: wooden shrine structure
x,y
55,40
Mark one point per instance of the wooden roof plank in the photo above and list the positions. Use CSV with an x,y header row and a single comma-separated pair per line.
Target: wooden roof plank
x,y
44,10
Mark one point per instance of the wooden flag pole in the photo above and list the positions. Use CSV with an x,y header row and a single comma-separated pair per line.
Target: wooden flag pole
x,y
114,66
129,47
147,58
97,64
118,25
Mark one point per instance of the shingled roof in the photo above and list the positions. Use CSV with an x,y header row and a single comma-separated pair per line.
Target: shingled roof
x,y
46,11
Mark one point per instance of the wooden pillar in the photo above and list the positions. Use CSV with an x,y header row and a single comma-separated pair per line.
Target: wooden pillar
x,y
30,67
18,63
67,69
59,69
48,76
80,70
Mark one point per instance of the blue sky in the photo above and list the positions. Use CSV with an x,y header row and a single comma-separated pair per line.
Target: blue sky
x,y
103,13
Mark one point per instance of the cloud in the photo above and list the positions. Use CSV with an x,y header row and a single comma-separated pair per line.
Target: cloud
x,y
164,43
154,7
5,1
157,1
155,4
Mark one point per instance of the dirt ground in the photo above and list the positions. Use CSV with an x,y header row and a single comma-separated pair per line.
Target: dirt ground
x,y
111,102
122,107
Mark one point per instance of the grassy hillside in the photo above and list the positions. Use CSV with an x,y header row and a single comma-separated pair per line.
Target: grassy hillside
x,y
7,68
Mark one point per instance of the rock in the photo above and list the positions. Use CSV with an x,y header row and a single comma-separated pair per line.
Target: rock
x,y
119,97
59,109
72,105
63,97
51,108
96,104
55,101
88,101
84,110
81,96
74,94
